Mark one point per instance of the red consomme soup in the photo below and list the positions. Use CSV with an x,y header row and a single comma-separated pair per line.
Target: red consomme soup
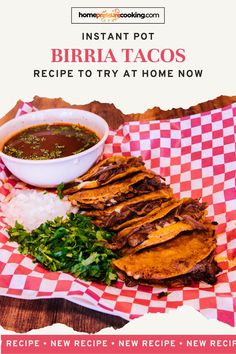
x,y
50,141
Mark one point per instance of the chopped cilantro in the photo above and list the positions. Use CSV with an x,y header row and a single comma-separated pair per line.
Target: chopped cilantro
x,y
60,188
72,245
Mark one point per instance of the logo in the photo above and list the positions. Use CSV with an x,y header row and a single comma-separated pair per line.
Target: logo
x,y
121,15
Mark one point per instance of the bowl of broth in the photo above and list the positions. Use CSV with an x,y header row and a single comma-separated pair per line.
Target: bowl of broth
x,y
53,146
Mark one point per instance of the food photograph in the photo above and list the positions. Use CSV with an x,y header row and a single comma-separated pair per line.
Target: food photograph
x,y
117,215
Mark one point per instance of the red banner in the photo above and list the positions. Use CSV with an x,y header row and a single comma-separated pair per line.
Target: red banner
x,y
138,344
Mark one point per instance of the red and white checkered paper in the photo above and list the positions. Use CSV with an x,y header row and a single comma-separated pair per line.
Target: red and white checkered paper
x,y
197,157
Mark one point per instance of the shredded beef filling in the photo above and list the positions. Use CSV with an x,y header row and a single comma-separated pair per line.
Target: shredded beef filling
x,y
129,212
147,185
105,172
144,186
185,212
114,168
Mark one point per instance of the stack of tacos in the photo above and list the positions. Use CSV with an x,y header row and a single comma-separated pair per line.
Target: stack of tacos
x,y
160,240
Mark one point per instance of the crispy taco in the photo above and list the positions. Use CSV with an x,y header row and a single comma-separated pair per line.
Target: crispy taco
x,y
108,195
128,212
178,262
162,224
107,171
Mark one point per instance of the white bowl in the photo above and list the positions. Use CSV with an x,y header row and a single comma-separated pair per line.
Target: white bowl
x,y
50,173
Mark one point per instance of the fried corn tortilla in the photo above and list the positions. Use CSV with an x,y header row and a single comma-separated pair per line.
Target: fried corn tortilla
x,y
162,224
105,196
205,270
151,217
126,213
107,171
170,259
157,237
